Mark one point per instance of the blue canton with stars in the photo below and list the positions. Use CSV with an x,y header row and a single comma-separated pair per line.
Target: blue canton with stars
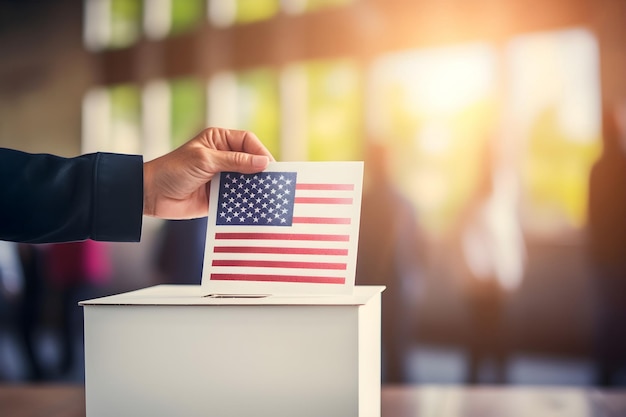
x,y
263,199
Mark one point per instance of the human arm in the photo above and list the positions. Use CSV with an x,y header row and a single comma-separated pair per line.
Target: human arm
x,y
46,198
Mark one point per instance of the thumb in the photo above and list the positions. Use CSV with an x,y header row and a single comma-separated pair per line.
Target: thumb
x,y
241,162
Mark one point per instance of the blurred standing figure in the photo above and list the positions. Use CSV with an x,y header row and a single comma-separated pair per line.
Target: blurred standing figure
x,y
69,268
180,251
11,283
391,253
29,319
607,249
492,259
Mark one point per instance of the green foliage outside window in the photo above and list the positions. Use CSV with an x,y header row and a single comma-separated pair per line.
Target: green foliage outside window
x,y
258,98
312,5
125,102
188,104
125,22
255,10
186,15
334,94
556,173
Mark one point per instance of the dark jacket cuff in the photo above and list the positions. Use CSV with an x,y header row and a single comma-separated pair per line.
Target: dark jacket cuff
x,y
118,198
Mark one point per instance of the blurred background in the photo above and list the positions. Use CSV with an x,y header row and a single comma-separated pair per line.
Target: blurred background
x,y
493,135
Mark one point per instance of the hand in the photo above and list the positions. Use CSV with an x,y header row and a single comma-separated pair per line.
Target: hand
x,y
176,184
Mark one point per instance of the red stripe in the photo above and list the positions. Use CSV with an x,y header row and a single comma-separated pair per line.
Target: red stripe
x,y
279,264
322,200
278,278
341,187
322,220
283,236
286,251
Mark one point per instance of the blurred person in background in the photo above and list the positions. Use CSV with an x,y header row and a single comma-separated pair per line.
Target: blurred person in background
x,y
21,290
391,253
30,310
492,257
11,283
606,226
70,268
179,251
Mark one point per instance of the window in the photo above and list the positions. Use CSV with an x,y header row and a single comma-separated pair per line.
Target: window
x,y
112,24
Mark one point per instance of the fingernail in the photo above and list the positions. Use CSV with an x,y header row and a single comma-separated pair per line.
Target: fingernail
x,y
259,161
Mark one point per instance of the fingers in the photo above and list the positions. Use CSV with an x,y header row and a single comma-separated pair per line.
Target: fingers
x,y
243,162
234,140
250,143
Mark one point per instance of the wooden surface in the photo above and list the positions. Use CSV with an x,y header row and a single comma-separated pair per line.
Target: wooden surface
x,y
422,401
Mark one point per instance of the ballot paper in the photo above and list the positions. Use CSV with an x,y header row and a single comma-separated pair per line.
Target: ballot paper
x,y
291,229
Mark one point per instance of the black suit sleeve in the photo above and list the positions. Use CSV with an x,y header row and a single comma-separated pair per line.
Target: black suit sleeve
x,y
46,198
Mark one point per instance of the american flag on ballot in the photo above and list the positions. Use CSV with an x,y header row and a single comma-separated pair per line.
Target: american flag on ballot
x,y
284,226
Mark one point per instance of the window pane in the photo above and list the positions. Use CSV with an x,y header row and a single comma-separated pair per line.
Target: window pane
x,y
111,120
303,6
435,119
254,10
125,119
258,106
186,15
187,109
555,103
323,110
125,22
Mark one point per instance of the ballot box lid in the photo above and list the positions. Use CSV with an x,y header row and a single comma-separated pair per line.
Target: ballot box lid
x,y
195,295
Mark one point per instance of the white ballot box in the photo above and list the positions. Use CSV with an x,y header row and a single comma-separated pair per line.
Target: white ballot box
x,y
170,351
